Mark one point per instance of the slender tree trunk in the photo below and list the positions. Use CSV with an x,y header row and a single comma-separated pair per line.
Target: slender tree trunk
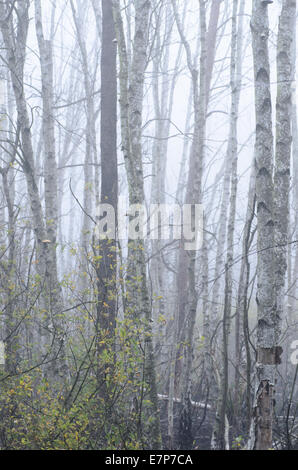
x,y
263,407
272,206
242,325
51,197
91,150
220,431
106,267
8,278
131,105
286,35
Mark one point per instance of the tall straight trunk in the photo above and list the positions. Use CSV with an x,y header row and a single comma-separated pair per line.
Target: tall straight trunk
x,y
294,291
272,206
107,266
223,216
51,192
283,152
159,157
220,431
266,331
283,148
131,106
91,150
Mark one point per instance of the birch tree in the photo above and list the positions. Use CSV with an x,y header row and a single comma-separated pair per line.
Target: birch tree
x,y
272,207
131,104
52,330
50,175
220,431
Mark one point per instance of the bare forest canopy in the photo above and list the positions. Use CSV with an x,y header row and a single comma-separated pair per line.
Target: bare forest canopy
x,y
148,225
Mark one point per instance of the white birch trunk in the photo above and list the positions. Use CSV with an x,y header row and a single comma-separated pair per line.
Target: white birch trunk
x,y
269,205
131,106
220,431
57,369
